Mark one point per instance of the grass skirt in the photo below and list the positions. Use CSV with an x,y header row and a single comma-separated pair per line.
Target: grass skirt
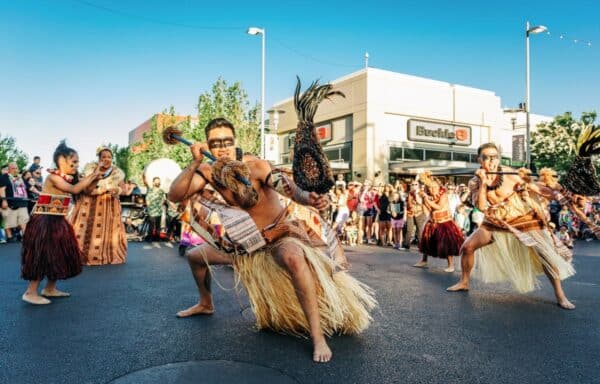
x,y
50,249
508,259
441,239
344,302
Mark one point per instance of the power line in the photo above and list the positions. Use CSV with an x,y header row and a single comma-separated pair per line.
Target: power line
x,y
311,57
156,21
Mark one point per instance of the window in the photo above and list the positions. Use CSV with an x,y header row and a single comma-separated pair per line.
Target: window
x,y
458,156
346,154
413,154
437,155
395,154
505,161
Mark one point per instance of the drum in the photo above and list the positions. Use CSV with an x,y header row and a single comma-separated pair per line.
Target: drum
x,y
165,169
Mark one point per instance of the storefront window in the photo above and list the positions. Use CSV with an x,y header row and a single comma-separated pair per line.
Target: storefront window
x,y
346,154
395,154
457,156
413,154
437,155
505,161
333,154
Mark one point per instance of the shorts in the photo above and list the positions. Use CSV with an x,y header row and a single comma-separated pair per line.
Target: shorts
x,y
370,212
398,224
15,217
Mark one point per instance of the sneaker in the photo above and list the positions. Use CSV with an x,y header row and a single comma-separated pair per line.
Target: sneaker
x,y
2,241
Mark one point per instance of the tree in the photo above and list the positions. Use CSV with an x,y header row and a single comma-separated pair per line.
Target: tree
x,y
230,102
121,157
554,144
10,153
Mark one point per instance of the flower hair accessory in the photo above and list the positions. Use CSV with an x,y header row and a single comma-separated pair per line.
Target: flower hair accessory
x,y
428,180
102,148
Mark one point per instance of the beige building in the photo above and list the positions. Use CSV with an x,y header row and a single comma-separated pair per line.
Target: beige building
x,y
393,125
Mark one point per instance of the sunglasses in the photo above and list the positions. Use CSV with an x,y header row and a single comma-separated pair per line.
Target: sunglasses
x,y
489,157
221,143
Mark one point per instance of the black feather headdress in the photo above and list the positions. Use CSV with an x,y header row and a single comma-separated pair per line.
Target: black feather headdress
x,y
311,168
581,178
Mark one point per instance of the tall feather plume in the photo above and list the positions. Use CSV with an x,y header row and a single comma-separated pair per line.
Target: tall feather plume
x,y
581,178
310,165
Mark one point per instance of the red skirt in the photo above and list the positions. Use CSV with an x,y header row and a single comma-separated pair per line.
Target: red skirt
x,y
441,239
50,249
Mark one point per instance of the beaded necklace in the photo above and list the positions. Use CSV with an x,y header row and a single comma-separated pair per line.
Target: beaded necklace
x,y
64,176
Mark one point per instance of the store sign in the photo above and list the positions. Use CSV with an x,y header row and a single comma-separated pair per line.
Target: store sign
x,y
438,133
518,148
324,132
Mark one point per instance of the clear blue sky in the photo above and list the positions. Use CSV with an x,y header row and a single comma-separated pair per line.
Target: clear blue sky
x,y
92,70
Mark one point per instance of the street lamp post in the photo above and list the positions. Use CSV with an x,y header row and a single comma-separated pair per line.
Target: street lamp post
x,y
528,31
261,31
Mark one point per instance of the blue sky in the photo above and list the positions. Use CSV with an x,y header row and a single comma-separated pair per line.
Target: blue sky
x,y
92,70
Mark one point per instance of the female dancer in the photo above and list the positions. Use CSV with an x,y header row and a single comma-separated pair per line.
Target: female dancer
x,y
441,237
97,214
50,249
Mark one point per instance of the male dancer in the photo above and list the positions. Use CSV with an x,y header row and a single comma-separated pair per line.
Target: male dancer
x,y
312,294
512,243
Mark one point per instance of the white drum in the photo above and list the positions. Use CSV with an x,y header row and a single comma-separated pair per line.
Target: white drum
x,y
165,169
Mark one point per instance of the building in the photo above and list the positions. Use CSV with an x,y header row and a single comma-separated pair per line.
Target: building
x,y
392,125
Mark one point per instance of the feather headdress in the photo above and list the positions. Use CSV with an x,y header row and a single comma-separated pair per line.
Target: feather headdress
x,y
581,178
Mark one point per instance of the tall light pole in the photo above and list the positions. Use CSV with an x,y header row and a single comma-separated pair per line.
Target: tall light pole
x,y
261,31
529,31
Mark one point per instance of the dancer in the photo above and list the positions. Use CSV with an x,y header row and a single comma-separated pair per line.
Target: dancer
x,y
512,244
97,215
50,249
291,284
441,237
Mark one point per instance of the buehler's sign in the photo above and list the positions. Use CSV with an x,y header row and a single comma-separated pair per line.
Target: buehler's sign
x,y
438,133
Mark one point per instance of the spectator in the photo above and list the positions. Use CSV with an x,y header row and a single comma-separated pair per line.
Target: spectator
x,y
35,167
155,199
341,202
13,190
384,214
416,214
398,219
462,219
453,198
366,202
340,182
564,237
351,229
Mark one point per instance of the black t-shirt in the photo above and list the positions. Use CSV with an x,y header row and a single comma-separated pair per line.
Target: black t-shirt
x,y
13,202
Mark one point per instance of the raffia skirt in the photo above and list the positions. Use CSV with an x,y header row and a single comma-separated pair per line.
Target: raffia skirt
x,y
441,239
50,249
344,302
507,259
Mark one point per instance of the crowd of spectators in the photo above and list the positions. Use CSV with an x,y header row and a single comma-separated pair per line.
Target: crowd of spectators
x,y
392,215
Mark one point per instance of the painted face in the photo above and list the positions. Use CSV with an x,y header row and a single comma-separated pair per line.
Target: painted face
x,y
69,165
105,160
489,159
221,142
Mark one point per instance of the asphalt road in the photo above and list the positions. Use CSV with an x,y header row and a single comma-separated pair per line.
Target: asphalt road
x,y
120,326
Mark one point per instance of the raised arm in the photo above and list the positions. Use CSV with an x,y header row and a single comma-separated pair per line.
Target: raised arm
x,y
66,187
191,180
278,180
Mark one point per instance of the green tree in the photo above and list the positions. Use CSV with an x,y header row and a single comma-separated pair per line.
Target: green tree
x,y
230,102
554,144
121,157
10,153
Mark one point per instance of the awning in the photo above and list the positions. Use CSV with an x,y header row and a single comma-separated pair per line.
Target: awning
x,y
436,167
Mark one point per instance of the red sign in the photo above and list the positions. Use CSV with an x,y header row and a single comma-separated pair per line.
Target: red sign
x,y
324,132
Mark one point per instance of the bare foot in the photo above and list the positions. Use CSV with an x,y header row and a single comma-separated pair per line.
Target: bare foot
x,y
565,304
198,309
54,293
321,353
421,264
460,286
35,299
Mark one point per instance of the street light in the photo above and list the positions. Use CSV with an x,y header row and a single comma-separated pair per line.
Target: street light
x,y
260,31
529,31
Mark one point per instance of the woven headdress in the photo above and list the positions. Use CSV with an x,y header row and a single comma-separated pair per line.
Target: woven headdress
x,y
581,178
